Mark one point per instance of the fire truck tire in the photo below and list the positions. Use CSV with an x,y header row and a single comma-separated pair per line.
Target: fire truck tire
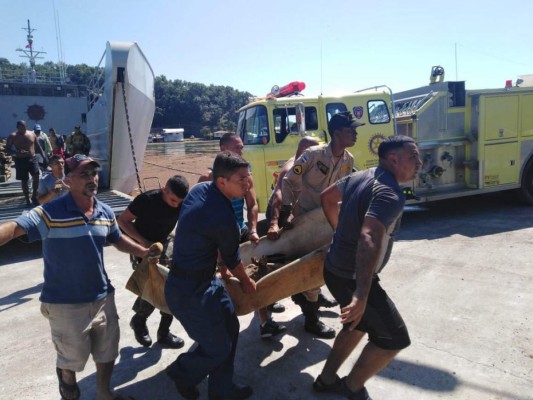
x,y
526,189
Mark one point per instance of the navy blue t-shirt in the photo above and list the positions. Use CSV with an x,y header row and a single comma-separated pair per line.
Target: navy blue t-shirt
x,y
207,224
375,193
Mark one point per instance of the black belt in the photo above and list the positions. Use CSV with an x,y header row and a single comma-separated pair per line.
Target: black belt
x,y
190,274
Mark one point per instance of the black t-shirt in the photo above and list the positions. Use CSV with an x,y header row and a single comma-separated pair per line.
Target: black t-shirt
x,y
155,219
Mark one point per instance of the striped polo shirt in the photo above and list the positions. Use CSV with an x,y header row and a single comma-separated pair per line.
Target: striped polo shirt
x,y
72,249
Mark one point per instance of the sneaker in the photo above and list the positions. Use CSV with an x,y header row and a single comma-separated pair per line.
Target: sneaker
x,y
189,392
361,394
270,328
320,329
323,301
238,392
320,386
276,308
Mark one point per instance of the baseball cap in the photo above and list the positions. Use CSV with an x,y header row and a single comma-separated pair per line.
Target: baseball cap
x,y
37,127
78,161
341,120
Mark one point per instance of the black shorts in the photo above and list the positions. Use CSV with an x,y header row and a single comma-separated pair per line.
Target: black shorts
x,y
26,167
381,320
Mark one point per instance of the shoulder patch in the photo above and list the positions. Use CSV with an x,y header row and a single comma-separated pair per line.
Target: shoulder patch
x,y
297,169
345,169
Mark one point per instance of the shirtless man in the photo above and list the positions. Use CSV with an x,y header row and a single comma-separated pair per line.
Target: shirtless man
x,y
22,144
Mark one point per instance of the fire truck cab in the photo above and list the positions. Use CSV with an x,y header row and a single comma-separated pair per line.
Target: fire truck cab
x,y
271,127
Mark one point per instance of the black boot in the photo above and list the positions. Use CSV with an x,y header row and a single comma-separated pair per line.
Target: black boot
x,y
312,322
323,301
164,337
138,324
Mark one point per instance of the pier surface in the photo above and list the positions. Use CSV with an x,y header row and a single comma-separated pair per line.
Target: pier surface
x,y
461,274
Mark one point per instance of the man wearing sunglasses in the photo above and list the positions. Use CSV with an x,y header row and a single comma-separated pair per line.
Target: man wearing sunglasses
x,y
77,296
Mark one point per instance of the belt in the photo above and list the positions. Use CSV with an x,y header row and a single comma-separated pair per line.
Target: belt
x,y
190,274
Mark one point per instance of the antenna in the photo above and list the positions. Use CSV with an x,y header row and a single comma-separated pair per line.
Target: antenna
x,y
60,62
30,53
321,71
456,76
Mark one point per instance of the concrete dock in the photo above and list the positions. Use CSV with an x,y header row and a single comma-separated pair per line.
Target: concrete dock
x,y
461,274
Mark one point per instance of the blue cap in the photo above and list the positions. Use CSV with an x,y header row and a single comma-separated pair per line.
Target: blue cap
x,y
37,127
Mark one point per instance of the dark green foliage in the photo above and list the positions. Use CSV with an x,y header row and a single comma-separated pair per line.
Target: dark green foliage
x,y
199,109
196,107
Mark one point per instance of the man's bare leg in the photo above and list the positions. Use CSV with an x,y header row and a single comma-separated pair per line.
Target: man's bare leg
x,y
35,185
25,189
372,360
343,346
103,380
69,377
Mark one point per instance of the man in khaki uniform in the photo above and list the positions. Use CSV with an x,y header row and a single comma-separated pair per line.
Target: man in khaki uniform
x,y
316,169
78,143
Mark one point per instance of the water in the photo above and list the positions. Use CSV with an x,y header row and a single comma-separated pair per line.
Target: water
x,y
186,147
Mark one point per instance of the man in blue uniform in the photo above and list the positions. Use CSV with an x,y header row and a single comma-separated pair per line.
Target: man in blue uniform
x,y
194,294
372,206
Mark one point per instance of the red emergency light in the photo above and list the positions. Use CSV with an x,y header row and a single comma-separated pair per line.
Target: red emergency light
x,y
508,83
287,90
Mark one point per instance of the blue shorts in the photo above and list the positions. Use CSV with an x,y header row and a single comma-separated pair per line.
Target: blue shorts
x,y
381,320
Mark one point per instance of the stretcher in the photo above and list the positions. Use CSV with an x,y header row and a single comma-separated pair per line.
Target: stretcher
x,y
305,246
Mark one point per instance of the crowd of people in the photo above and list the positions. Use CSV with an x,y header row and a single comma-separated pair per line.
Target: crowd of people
x,y
364,209
35,151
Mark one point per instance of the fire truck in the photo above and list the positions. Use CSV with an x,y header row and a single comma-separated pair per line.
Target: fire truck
x,y
471,141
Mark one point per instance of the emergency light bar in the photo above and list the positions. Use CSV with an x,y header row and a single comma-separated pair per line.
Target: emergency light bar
x,y
291,88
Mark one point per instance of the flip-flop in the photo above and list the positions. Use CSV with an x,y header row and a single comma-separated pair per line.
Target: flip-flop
x,y
63,386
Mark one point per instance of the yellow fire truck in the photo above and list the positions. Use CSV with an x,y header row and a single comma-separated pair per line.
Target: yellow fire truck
x,y
471,142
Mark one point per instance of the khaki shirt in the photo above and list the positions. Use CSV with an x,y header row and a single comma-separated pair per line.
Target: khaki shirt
x,y
315,170
78,143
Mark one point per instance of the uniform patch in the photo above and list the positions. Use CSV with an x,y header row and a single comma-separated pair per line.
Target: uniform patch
x,y
345,169
322,167
358,112
304,157
297,169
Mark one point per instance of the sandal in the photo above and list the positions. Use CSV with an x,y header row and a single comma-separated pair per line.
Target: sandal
x,y
65,387
320,386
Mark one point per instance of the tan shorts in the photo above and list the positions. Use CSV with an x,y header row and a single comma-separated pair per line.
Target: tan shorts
x,y
82,329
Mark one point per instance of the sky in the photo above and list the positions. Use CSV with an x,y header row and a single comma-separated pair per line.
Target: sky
x,y
333,46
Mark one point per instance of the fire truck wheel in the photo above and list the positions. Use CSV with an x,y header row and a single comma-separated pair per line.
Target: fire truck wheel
x,y
526,189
